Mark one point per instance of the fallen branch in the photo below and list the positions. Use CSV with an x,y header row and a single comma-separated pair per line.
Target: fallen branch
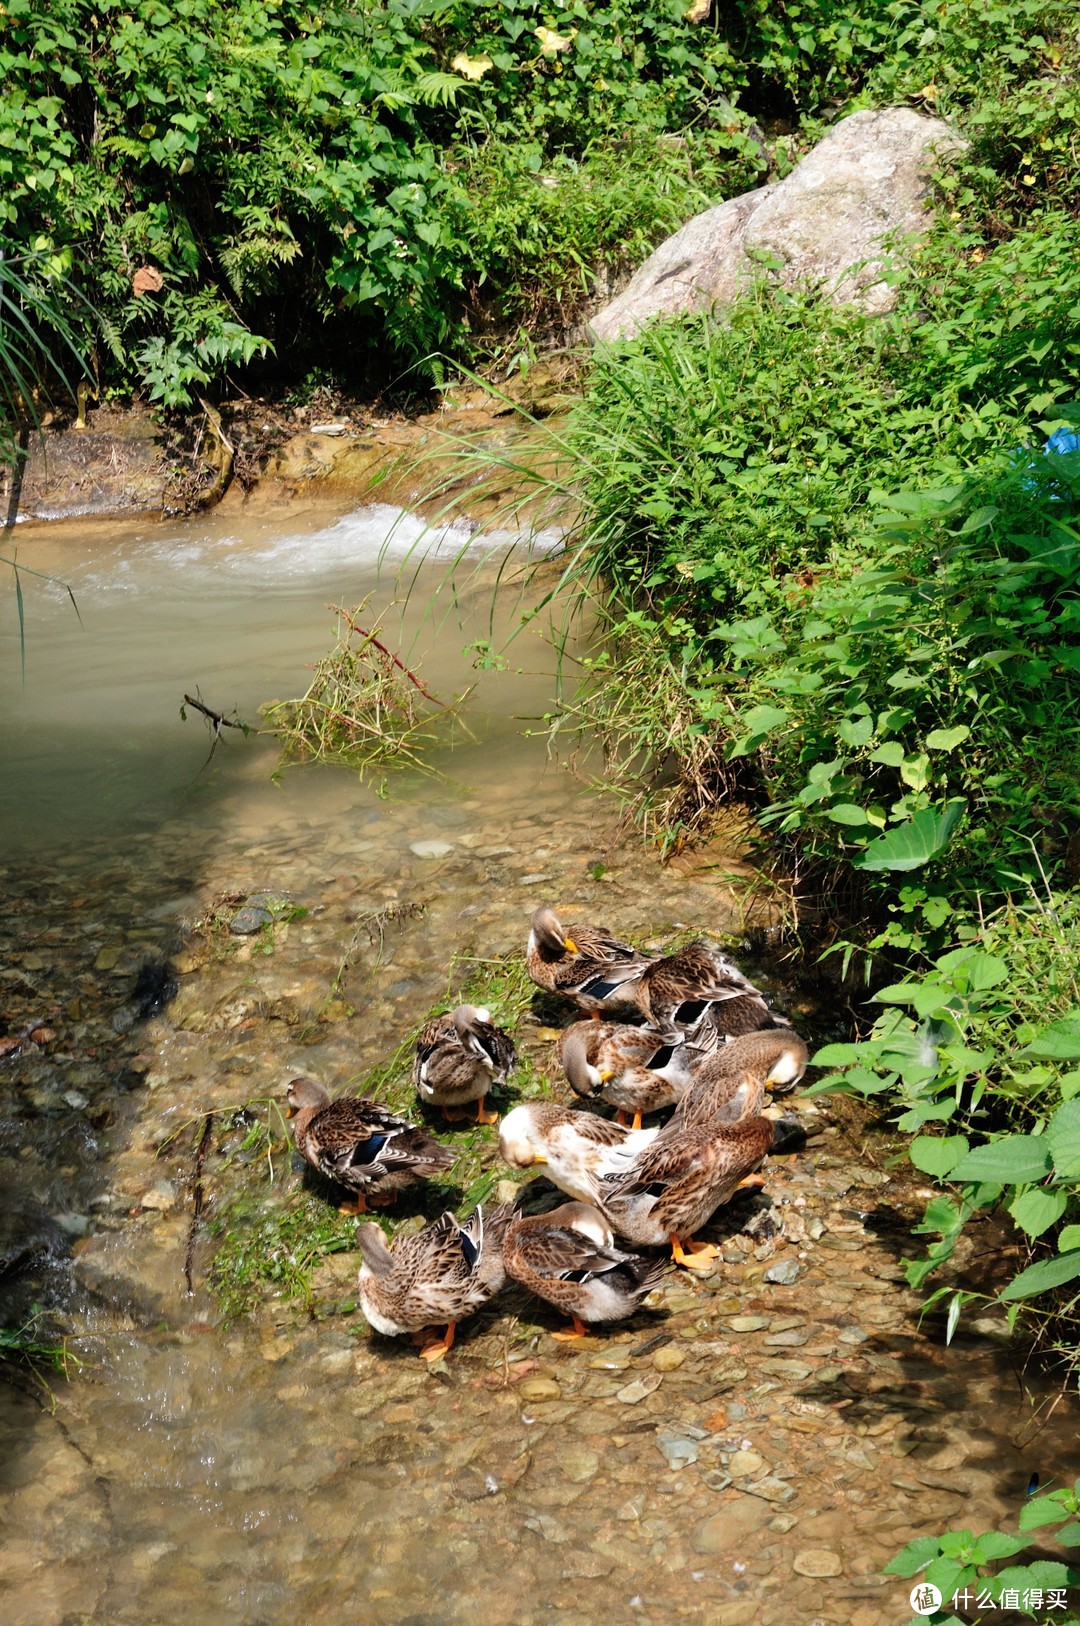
x,y
217,721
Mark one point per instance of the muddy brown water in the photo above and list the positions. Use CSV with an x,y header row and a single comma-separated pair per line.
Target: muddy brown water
x,y
747,1449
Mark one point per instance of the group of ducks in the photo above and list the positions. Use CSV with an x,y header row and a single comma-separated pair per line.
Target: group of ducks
x,y
704,1042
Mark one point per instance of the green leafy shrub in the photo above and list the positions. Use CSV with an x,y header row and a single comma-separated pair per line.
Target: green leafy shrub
x,y
964,1567
923,705
979,1057
226,169
537,227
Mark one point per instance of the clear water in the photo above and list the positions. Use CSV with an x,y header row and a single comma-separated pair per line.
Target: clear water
x,y
290,1470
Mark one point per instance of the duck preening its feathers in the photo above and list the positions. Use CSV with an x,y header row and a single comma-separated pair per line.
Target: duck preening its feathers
x,y
361,1145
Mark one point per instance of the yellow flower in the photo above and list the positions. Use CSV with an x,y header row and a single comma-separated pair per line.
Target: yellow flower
x,y
551,43
472,67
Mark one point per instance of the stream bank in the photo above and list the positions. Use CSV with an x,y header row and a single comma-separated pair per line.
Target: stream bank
x,y
752,1447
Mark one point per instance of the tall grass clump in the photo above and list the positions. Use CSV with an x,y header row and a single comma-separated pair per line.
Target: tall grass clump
x,y
364,707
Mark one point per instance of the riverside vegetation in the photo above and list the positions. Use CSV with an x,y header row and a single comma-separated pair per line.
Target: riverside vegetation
x,y
835,548
844,553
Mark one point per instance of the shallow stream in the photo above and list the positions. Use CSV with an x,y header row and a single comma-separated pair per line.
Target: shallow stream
x,y
748,1449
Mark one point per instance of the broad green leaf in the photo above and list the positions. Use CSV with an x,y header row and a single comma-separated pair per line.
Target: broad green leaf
x,y
996,1544
949,1575
856,731
1041,1277
943,1215
1068,1535
846,813
1041,1572
1011,1160
915,771
837,1055
1068,1237
973,969
1036,1210
909,846
947,739
1063,1138
891,754
926,995
936,1154
1058,1041
763,719
1043,1510
915,1556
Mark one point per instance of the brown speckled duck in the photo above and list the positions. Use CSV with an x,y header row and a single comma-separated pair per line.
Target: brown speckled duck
x,y
676,992
567,1257
692,1168
434,1277
361,1145
583,963
632,1068
575,1148
772,1059
459,1056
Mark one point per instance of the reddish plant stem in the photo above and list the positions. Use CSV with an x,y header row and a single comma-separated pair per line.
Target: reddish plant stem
x,y
371,639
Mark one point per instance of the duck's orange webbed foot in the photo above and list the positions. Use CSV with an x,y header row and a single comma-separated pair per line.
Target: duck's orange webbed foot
x,y
693,1255
437,1349
753,1182
483,1117
358,1206
578,1330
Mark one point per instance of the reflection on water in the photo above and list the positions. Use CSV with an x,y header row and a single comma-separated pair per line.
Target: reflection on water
x,y
704,1464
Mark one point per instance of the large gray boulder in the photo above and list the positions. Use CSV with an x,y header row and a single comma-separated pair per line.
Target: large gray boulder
x,y
823,224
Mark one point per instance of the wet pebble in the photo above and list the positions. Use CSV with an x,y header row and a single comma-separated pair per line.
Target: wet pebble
x,y
818,1563
749,1323
676,1449
161,1196
783,1273
540,1389
246,922
578,1463
745,1463
771,1489
431,849
637,1391
669,1358
853,1335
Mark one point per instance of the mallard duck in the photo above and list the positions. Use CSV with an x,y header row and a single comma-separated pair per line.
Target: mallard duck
x,y
630,1068
689,1170
432,1277
566,1256
459,1057
675,993
361,1145
575,1148
771,1059
584,963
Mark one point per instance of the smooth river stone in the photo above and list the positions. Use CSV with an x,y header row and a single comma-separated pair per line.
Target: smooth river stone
x,y
818,1563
